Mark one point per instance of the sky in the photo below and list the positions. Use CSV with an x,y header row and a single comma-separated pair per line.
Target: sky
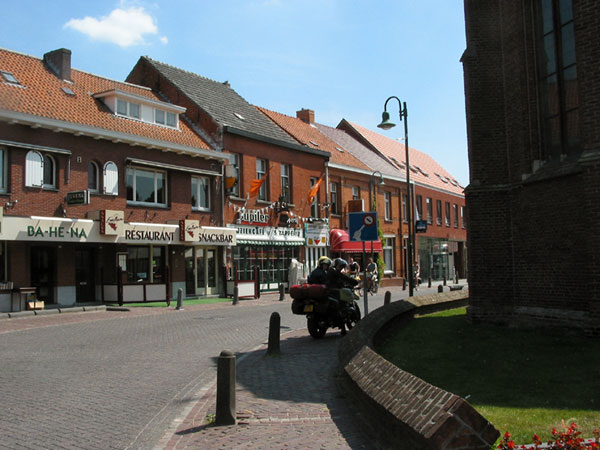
x,y
340,58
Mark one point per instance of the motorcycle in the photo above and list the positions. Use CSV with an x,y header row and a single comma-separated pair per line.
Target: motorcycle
x,y
373,285
325,308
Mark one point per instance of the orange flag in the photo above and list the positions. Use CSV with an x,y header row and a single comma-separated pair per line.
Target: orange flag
x,y
256,184
313,191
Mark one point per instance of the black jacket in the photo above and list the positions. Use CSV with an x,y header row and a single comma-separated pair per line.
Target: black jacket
x,y
317,276
339,280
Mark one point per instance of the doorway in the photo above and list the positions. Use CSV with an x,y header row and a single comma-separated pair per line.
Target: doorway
x,y
84,276
201,276
43,272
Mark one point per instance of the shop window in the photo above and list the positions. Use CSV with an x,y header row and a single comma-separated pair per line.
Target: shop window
x,y
40,170
429,203
146,186
146,264
438,211
261,170
201,193
334,201
286,185
93,176
387,197
111,178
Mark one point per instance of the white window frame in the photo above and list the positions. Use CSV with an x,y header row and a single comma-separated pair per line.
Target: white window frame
x,y
168,119
286,183
389,245
387,198
94,166
110,182
133,171
197,182
34,169
261,170
129,107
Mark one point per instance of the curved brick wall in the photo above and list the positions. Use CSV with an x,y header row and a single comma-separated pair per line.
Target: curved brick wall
x,y
407,411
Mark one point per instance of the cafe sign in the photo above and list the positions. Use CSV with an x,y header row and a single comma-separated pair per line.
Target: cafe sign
x,y
189,230
112,223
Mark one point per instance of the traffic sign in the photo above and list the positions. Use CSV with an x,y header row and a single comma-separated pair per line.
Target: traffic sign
x,y
362,226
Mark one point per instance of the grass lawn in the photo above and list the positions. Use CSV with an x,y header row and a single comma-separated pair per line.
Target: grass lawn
x,y
524,381
191,301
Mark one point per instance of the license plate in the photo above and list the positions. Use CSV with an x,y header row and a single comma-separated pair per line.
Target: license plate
x,y
308,308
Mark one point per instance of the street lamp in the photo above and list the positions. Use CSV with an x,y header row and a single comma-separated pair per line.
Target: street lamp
x,y
386,124
372,187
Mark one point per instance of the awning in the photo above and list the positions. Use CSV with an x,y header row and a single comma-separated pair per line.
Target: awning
x,y
339,241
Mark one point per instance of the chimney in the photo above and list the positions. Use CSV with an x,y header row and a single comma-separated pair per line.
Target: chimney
x,y
306,115
59,61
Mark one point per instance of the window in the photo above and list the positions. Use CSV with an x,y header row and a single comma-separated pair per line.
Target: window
x,y
146,264
314,207
447,214
463,217
111,178
93,176
355,193
40,170
234,160
201,193
146,186
429,203
261,170
455,215
165,118
419,207
404,208
388,253
334,201
129,109
438,211
3,171
387,198
286,186
558,77
9,77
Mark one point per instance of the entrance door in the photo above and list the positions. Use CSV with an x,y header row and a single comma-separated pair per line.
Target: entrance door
x,y
84,276
43,272
190,272
211,271
200,272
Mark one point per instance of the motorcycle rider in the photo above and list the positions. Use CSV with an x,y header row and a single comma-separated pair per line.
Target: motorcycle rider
x,y
337,280
371,271
319,275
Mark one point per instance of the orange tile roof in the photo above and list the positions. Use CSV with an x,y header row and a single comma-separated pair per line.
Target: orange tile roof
x,y
310,135
424,169
40,95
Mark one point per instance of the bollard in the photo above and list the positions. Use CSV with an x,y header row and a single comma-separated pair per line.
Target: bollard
x,y
236,293
404,284
387,298
179,300
274,329
225,389
429,282
440,288
445,280
281,292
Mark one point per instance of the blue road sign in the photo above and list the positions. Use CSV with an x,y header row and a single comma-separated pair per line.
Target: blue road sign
x,y
362,226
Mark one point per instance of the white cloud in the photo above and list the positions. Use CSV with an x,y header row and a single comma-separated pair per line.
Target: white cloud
x,y
124,27
164,40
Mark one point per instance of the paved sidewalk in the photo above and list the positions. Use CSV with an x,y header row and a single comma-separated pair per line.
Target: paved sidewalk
x,y
290,401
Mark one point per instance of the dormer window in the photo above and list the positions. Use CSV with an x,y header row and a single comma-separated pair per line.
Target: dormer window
x,y
141,108
9,77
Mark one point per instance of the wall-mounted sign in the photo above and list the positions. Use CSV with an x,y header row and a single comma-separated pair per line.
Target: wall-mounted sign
x,y
78,198
112,222
421,226
316,235
188,230
217,236
252,217
265,235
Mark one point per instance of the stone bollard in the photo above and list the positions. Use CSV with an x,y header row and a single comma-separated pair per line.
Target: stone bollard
x,y
236,294
274,330
387,298
281,292
429,282
440,288
404,284
225,389
445,281
179,300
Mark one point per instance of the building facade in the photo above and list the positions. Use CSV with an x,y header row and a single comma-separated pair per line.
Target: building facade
x,y
104,188
533,113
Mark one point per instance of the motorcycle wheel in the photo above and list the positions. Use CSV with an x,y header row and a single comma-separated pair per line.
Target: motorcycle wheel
x,y
354,317
314,329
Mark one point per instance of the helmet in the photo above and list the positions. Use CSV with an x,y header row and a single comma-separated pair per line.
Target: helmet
x,y
339,263
324,260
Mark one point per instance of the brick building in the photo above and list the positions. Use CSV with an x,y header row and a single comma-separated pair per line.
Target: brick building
x,y
532,84
438,199
103,187
271,224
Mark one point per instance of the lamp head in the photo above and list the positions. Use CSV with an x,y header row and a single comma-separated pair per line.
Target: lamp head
x,y
386,124
381,182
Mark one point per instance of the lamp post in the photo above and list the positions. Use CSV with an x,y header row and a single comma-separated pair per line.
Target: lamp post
x,y
386,124
373,188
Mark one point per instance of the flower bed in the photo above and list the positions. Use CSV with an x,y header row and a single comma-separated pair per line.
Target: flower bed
x,y
568,439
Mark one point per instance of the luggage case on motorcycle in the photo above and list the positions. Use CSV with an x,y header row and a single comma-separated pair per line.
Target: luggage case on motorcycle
x,y
299,291
317,291
298,306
